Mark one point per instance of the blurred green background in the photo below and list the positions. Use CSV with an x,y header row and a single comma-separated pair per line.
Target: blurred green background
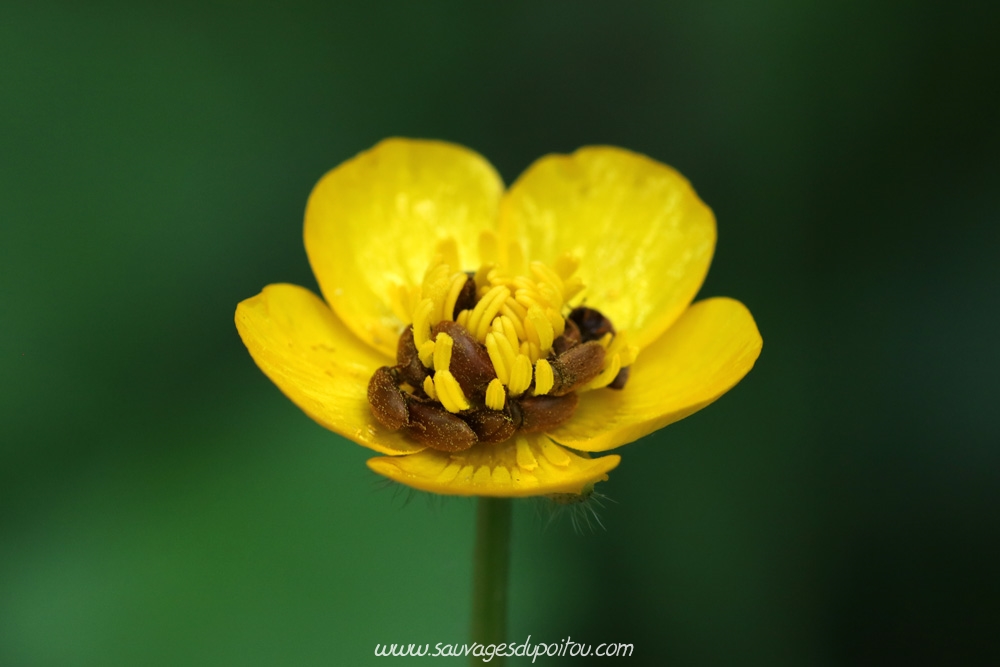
x,y
161,503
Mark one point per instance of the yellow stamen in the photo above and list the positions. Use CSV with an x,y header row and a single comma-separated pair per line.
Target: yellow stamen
x,y
495,395
485,311
547,276
515,315
527,300
458,281
549,296
520,375
498,358
509,330
557,321
426,353
449,392
606,376
509,351
543,329
429,388
619,345
544,377
442,352
421,322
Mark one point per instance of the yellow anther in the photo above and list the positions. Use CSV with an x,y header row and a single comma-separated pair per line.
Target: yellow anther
x,y
426,352
429,388
508,350
543,329
458,281
547,276
557,321
520,375
463,318
526,300
525,283
530,333
512,314
606,376
605,340
490,313
544,378
449,392
485,311
550,296
498,357
489,247
495,395
442,352
510,330
421,322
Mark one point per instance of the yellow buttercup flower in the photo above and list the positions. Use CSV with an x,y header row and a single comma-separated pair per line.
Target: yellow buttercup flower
x,y
488,341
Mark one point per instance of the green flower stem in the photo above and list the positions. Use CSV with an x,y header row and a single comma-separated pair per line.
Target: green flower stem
x,y
491,563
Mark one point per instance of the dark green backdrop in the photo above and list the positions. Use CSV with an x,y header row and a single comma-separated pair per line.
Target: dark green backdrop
x,y
161,503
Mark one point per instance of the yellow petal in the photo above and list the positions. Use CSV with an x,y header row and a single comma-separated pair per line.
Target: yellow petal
x,y
707,351
375,221
540,467
643,237
304,349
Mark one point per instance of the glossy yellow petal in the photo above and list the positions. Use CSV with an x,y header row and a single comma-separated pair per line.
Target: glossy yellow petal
x,y
707,351
304,349
643,237
529,465
376,222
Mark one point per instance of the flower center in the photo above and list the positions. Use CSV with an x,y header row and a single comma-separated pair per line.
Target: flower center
x,y
493,352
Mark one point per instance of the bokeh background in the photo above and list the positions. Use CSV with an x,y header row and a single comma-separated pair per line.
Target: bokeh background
x,y
161,503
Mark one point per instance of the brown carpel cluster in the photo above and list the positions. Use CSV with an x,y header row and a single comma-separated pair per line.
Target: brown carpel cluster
x,y
398,401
